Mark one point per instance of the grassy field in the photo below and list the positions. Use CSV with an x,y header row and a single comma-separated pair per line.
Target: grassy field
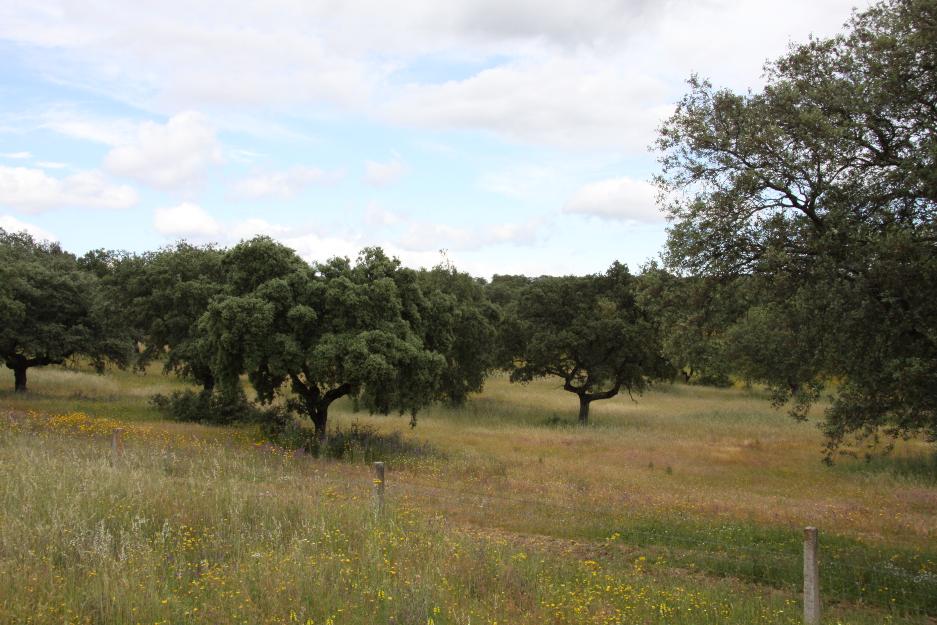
x,y
684,506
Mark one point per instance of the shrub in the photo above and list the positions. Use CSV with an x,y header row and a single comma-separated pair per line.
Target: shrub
x,y
208,407
357,442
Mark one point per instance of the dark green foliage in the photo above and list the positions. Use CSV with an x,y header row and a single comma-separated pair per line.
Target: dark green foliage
x,y
460,323
773,343
589,331
504,290
821,192
356,443
212,407
52,309
694,314
163,294
321,333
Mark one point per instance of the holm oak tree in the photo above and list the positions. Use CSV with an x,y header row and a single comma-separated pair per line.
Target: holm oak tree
x,y
52,309
587,330
821,189
323,332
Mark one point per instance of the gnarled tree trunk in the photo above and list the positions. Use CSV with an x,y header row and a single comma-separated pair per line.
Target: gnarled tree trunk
x,y
586,398
316,403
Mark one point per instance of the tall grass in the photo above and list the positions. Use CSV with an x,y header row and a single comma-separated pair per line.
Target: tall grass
x,y
684,506
188,530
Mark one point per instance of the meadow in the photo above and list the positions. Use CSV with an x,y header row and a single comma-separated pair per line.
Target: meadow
x,y
685,505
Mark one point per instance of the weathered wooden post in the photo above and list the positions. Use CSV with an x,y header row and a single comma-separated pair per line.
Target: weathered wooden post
x,y
377,489
117,444
811,578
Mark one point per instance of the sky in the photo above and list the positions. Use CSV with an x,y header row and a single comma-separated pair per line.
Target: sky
x,y
504,136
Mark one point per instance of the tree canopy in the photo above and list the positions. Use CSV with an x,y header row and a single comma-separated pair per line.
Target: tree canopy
x,y
52,309
822,187
590,332
460,323
323,332
164,294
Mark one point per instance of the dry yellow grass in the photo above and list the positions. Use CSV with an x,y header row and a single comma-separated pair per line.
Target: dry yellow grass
x,y
694,479
730,456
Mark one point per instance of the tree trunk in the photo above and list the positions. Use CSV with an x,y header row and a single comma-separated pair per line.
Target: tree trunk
x,y
320,417
19,378
208,383
316,403
584,402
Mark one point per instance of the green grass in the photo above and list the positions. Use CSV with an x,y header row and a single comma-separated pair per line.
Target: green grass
x,y
116,394
919,468
195,530
686,506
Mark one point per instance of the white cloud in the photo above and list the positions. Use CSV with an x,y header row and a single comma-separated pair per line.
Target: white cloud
x,y
578,100
521,181
425,236
549,72
173,155
192,221
12,224
282,185
624,199
16,155
382,174
314,247
51,165
376,215
186,220
87,127
33,190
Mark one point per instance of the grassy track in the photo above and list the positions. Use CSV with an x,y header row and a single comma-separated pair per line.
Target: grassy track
x,y
685,507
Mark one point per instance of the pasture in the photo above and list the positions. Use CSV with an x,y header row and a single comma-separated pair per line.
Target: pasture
x,y
683,506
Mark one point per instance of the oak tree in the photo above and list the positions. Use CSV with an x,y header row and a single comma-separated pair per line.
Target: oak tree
x,y
590,332
323,332
52,309
823,187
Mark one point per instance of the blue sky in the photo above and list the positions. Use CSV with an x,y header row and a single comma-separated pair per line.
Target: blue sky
x,y
514,136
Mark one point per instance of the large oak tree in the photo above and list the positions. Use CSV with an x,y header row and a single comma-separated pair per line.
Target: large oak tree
x,y
320,333
821,189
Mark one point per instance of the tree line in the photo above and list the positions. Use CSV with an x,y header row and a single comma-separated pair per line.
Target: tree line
x,y
801,255
389,337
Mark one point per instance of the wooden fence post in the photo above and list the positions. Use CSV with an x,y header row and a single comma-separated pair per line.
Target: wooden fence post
x,y
117,444
811,578
377,489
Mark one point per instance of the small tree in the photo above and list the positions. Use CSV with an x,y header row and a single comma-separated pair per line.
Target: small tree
x,y
588,331
321,333
51,309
